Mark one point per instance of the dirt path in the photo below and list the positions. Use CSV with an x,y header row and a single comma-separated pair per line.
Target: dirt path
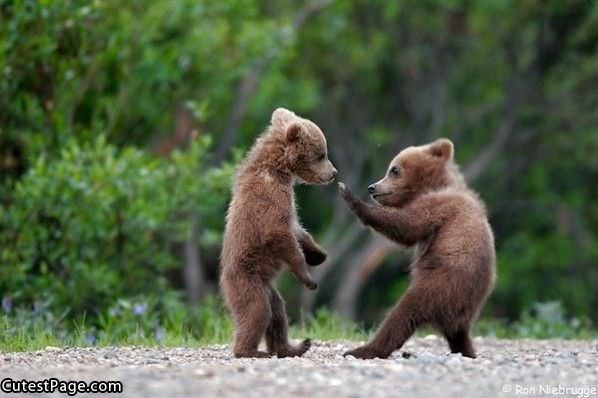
x,y
505,368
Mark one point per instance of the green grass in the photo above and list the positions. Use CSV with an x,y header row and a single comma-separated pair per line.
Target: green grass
x,y
20,334
325,325
209,324
173,326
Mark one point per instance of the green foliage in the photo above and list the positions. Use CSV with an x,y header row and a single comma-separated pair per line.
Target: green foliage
x,y
98,224
540,321
140,321
545,320
91,222
78,67
166,322
325,325
169,323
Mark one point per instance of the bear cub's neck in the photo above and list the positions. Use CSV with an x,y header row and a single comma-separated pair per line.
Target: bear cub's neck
x,y
267,160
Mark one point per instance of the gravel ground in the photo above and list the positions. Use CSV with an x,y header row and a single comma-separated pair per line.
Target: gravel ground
x,y
504,368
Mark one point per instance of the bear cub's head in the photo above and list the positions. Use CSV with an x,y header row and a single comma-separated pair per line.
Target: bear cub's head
x,y
415,171
305,148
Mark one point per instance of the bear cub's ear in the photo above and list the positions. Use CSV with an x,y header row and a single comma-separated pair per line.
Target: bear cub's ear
x,y
442,148
281,117
293,132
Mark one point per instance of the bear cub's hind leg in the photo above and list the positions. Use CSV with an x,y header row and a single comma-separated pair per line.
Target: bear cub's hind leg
x,y
460,342
277,331
251,323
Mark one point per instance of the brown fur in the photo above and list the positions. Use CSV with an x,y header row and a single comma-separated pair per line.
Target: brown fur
x,y
423,201
263,232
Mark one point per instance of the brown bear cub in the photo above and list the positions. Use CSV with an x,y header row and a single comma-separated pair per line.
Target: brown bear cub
x,y
263,232
423,201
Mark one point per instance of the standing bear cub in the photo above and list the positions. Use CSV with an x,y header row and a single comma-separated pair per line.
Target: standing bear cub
x,y
263,232
423,201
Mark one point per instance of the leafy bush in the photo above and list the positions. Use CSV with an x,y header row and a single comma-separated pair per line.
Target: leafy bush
x,y
99,224
74,68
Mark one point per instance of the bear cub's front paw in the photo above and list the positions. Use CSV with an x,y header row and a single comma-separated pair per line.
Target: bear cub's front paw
x,y
347,195
314,256
310,283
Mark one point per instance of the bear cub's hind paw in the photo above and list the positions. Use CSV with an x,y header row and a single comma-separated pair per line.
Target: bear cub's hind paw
x,y
366,352
252,354
295,351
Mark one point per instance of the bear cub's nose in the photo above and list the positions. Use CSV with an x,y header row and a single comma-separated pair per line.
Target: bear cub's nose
x,y
372,188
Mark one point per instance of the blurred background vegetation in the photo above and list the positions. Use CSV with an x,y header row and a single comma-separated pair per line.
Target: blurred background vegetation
x,y
121,123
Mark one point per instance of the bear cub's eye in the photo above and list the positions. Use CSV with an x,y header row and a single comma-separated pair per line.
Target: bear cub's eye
x,y
394,171
321,157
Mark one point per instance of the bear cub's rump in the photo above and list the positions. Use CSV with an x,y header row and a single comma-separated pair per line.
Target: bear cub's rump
x,y
263,232
423,201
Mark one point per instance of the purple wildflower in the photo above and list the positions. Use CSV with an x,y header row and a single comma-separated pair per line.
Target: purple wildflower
x,y
139,309
160,335
90,338
6,304
37,307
